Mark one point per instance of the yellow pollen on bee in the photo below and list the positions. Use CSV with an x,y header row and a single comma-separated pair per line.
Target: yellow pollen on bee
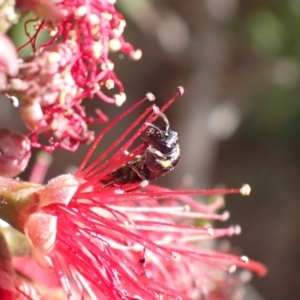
x,y
165,163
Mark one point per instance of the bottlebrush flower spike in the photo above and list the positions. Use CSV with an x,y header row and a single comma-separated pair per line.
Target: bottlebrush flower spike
x,y
92,29
128,241
54,83
50,99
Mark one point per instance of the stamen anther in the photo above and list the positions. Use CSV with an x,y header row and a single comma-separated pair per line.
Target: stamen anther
x,y
150,96
245,190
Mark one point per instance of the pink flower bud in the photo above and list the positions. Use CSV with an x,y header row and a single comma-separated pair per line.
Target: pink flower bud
x,y
40,227
15,152
22,207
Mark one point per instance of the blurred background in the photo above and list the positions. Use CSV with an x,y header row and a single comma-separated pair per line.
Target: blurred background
x,y
238,121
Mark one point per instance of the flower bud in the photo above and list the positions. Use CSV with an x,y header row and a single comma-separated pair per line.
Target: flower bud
x,y
14,152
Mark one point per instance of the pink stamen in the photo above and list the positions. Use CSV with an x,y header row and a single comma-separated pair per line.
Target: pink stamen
x,y
79,172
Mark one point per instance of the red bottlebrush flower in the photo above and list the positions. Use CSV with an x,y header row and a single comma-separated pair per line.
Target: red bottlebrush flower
x,y
53,84
130,240
50,98
92,29
15,152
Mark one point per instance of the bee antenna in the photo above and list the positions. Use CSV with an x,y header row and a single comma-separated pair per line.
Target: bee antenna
x,y
164,117
157,111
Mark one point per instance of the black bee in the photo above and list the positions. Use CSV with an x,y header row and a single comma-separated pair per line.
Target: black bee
x,y
161,155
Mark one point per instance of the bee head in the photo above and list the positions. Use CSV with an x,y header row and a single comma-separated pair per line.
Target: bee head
x,y
162,139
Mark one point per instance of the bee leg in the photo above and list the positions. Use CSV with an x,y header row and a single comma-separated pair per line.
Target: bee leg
x,y
138,172
110,184
164,117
